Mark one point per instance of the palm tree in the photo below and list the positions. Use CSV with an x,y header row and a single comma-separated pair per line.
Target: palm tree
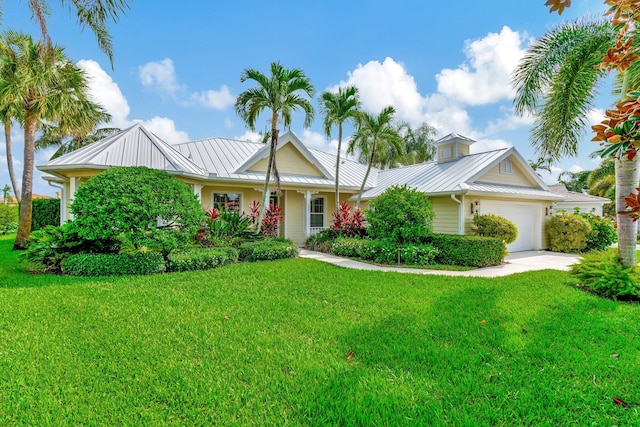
x,y
43,92
602,182
282,93
418,142
375,134
556,82
337,108
94,14
70,139
7,114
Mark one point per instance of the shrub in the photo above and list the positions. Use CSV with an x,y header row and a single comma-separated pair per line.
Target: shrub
x,y
603,233
322,241
419,254
8,218
400,214
225,225
350,246
603,274
91,264
200,258
134,200
384,252
267,250
45,212
568,233
471,251
495,226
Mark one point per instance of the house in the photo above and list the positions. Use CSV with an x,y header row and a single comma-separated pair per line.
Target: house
x,y
574,201
229,174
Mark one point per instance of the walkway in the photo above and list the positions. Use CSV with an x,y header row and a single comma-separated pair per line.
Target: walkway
x,y
517,262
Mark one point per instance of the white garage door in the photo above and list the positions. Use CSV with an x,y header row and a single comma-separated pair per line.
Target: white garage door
x,y
524,215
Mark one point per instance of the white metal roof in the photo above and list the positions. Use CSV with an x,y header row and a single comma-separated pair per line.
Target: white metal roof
x,y
135,146
454,137
572,196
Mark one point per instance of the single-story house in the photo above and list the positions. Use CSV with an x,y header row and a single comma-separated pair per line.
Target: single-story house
x,y
229,174
580,202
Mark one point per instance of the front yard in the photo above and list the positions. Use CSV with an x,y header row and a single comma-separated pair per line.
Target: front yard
x,y
298,342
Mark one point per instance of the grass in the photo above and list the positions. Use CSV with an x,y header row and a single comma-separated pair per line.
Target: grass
x,y
267,344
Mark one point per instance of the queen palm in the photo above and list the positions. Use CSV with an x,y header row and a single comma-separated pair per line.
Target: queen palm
x,y
282,93
44,92
8,113
418,142
337,108
556,82
375,134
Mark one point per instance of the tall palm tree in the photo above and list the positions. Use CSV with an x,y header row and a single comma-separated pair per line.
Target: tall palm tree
x,y
94,14
418,142
8,113
602,182
556,82
43,91
282,93
337,108
375,134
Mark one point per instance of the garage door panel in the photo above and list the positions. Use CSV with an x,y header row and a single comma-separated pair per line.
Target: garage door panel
x,y
523,215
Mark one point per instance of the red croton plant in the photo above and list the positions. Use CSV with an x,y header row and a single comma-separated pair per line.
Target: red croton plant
x,y
619,132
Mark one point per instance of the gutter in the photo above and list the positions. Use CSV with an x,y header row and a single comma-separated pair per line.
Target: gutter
x,y
460,214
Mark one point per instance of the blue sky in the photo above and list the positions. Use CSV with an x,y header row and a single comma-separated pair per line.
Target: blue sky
x,y
447,63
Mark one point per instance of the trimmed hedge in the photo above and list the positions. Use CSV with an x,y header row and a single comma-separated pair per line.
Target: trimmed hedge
x,y
469,251
491,225
91,264
568,233
8,218
384,252
200,258
45,212
267,250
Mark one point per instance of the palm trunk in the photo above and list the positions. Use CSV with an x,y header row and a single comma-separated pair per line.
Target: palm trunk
x,y
265,188
627,179
24,221
12,175
338,166
366,176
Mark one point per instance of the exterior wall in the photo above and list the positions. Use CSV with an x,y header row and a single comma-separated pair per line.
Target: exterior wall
x,y
294,221
584,207
289,161
446,215
456,149
516,177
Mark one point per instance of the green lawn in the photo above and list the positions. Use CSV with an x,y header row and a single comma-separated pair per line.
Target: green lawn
x,y
267,344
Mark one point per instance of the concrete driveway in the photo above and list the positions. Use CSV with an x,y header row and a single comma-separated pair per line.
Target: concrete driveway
x,y
517,262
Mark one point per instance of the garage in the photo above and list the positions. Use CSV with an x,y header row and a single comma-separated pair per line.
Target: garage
x,y
526,216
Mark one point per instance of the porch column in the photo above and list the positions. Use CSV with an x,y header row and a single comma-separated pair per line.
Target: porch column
x,y
197,190
307,214
73,186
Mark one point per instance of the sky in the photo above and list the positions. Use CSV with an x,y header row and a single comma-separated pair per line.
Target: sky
x,y
178,64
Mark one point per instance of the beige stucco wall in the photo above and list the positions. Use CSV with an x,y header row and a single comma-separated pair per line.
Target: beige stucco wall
x,y
516,177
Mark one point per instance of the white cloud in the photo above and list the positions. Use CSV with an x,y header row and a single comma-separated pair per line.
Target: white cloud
x,y
216,99
550,177
165,128
107,93
485,78
510,121
228,123
595,116
483,145
161,76
249,136
314,140
576,169
387,83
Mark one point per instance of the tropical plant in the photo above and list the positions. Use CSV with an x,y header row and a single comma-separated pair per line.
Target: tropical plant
x,y
604,274
602,182
53,92
556,82
575,181
6,190
271,222
348,222
375,134
8,112
337,108
282,93
495,226
568,233
93,14
400,214
418,142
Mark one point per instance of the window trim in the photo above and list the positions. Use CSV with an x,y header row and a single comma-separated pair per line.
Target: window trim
x,y
506,166
324,211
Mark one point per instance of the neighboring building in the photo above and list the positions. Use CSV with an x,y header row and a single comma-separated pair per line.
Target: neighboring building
x,y
13,201
584,203
230,174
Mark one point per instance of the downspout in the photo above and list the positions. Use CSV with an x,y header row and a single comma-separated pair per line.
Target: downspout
x,y
460,214
63,200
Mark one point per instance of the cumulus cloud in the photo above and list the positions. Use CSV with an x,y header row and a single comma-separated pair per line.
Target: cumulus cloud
x,y
510,121
595,116
161,76
249,136
483,145
314,140
107,92
484,78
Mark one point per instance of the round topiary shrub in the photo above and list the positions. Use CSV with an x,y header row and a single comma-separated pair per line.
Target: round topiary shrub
x,y
133,201
495,226
400,214
603,233
568,233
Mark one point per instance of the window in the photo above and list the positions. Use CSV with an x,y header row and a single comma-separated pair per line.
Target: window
x,y
505,166
226,201
445,153
316,210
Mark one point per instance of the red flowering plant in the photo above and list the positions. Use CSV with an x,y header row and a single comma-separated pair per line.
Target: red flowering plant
x,y
347,222
271,221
